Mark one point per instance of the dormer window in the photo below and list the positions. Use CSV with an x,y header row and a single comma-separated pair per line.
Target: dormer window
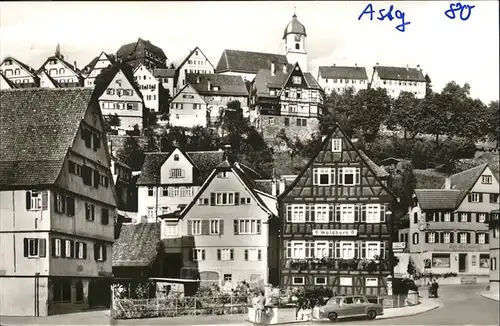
x,y
196,52
61,71
297,80
272,92
336,145
176,157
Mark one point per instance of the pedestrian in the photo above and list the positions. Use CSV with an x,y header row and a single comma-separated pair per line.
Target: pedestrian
x,y
435,286
255,305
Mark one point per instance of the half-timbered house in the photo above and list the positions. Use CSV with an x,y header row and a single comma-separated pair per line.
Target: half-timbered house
x,y
335,222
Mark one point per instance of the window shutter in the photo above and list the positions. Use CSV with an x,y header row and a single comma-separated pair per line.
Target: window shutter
x,y
469,217
205,227
308,209
331,253
63,204
363,213
312,216
480,198
426,237
337,213
96,142
357,246
441,237
330,213
356,213
28,202
221,227
382,249
436,237
383,209
236,198
452,217
469,198
452,234
235,226
56,207
468,237
288,245
288,212
42,246
53,246
71,206
63,248
246,255
477,217
203,254
358,176
190,254
26,246
92,211
190,227
72,248
486,238
332,176
219,254
104,253
338,254
477,238
45,199
259,224
77,249
231,254
84,250
315,177
259,255
96,251
97,179
212,199
363,249
340,180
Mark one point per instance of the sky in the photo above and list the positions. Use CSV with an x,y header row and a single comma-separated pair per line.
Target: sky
x,y
447,49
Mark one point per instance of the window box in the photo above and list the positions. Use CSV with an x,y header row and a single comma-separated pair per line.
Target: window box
x,y
300,264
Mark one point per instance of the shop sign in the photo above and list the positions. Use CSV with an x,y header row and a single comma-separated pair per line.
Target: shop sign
x,y
398,246
465,247
335,232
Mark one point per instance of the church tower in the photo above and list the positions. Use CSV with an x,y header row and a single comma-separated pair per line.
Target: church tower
x,y
295,43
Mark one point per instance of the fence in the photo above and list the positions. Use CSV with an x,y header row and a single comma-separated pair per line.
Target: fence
x,y
124,308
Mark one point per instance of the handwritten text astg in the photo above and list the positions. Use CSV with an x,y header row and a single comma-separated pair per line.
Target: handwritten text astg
x,y
386,14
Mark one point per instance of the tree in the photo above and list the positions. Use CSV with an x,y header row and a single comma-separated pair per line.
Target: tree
x,y
111,121
370,109
203,139
131,153
340,108
403,184
493,125
294,145
174,137
435,117
428,85
406,113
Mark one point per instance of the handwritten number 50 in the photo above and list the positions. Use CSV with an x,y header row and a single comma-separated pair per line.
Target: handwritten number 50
x,y
465,11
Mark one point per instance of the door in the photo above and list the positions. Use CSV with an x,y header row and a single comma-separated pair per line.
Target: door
x,y
462,263
359,305
348,307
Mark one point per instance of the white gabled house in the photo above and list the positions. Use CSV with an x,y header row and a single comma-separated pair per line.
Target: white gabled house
x,y
188,109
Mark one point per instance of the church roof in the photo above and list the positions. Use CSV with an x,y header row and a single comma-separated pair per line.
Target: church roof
x,y
294,27
247,62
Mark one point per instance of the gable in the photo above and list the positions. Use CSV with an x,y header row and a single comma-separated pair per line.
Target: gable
x,y
46,81
4,83
370,184
296,72
177,160
24,70
197,54
120,81
142,70
188,95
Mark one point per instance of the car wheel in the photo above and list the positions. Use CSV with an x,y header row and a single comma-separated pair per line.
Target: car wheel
x,y
371,314
332,316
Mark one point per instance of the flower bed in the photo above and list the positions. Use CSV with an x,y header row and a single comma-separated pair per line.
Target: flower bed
x,y
370,265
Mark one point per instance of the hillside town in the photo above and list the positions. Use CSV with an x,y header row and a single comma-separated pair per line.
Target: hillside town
x,y
134,177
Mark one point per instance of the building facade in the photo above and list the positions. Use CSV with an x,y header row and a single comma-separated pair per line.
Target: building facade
x,y
285,97
19,73
448,230
195,63
188,109
336,222
95,67
294,38
46,81
122,178
150,87
224,233
399,79
167,79
57,203
142,51
66,74
169,181
494,251
338,79
122,98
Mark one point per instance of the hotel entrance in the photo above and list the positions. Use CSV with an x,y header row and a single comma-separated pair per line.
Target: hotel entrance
x,y
462,263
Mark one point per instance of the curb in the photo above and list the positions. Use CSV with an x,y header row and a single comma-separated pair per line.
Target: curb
x,y
411,314
488,297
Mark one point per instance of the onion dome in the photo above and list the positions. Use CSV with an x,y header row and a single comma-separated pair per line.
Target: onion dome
x,y
294,27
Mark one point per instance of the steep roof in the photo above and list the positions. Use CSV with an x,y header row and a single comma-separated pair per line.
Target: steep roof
x,y
465,180
30,70
379,171
204,161
164,72
190,54
37,127
109,77
247,61
49,77
11,84
137,245
128,51
343,72
264,186
400,73
437,198
88,68
228,85
68,65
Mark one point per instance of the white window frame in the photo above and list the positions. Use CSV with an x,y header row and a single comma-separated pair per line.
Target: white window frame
x,y
481,238
372,213
475,197
214,226
320,283
372,249
447,217
225,254
80,249
347,246
228,195
462,237
298,249
446,237
321,248
347,212
151,191
371,282
486,179
253,254
248,226
321,213
57,249
463,217
171,229
482,217
176,173
298,213
298,277
151,212
431,237
36,200
336,145
354,172
100,253
199,254
34,248
345,281
67,252
317,172
196,227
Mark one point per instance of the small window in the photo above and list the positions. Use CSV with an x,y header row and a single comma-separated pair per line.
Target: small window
x,y
228,278
486,179
320,280
415,238
287,122
297,46
176,157
371,281
346,281
336,145
151,191
297,80
298,280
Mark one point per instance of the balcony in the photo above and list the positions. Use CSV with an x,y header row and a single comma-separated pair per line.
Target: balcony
x,y
355,264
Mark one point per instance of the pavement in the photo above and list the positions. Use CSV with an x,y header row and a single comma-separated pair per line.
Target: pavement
x,y
491,295
457,305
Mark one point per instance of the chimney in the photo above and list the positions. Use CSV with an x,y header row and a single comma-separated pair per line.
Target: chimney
x,y
334,64
273,187
447,184
418,66
376,64
209,85
281,186
407,67
284,68
356,65
74,64
273,68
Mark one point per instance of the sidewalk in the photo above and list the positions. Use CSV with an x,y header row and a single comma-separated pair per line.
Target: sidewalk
x,y
490,295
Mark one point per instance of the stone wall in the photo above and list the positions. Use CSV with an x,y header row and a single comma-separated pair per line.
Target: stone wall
x,y
270,130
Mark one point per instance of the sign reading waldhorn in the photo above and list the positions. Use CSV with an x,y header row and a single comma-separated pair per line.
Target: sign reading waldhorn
x,y
335,232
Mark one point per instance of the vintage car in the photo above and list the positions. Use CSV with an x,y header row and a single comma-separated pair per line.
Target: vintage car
x,y
350,306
